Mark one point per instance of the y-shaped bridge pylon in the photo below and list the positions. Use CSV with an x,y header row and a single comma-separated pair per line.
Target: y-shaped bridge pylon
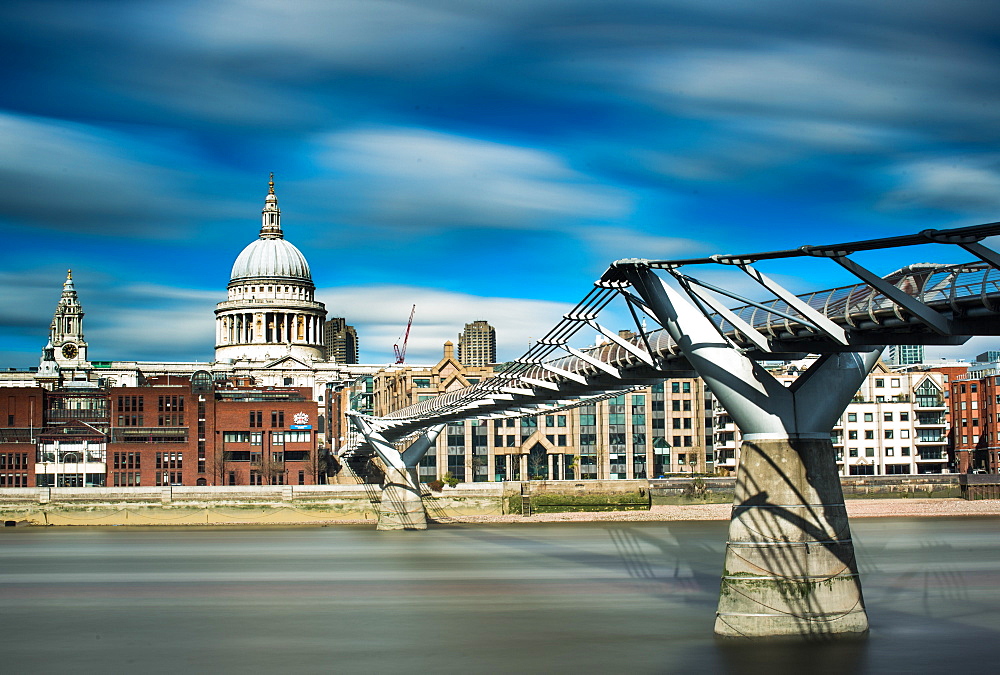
x,y
402,507
790,566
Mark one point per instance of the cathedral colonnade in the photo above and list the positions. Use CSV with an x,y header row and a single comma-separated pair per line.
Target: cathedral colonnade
x,y
269,328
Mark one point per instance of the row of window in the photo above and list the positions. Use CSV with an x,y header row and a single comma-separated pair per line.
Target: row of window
x,y
889,452
904,416
126,460
277,437
257,419
13,480
169,460
126,478
162,420
14,460
852,434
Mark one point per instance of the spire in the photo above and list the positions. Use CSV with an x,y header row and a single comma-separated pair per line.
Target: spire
x,y
270,227
69,297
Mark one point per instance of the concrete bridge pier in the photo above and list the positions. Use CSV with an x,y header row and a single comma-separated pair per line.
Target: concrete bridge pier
x,y
401,507
790,569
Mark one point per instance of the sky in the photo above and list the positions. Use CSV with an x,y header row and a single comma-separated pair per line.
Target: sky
x,y
477,159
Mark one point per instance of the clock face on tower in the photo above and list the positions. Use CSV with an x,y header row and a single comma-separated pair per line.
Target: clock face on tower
x,y
69,350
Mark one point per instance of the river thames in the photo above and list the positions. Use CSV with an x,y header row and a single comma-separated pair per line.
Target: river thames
x,y
539,598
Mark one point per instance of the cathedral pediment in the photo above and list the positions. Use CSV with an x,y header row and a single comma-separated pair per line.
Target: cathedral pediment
x,y
287,363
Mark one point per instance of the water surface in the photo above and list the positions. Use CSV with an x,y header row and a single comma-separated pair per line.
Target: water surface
x,y
540,598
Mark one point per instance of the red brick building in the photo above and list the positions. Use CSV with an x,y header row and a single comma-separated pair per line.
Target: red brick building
x,y
975,423
177,432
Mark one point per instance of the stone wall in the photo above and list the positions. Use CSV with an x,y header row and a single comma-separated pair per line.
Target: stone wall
x,y
721,490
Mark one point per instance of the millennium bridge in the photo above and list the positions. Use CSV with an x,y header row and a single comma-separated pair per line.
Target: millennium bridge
x,y
790,568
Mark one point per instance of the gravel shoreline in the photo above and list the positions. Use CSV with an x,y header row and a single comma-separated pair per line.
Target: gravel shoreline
x,y
856,508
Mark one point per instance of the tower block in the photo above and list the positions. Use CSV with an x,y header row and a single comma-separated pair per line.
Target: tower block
x,y
790,569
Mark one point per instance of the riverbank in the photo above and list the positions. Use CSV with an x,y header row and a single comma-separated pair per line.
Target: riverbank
x,y
856,508
358,505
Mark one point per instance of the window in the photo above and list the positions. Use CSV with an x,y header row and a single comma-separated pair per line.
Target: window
x,y
869,434
256,419
904,417
853,452
277,418
422,382
170,403
887,417
888,434
869,452
852,417
560,420
869,417
889,452
852,434
879,382
894,382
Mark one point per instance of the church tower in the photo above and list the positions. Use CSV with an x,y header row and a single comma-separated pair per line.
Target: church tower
x,y
69,349
271,310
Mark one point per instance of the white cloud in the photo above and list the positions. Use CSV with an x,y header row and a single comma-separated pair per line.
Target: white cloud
x,y
953,183
615,243
380,313
420,177
77,177
347,33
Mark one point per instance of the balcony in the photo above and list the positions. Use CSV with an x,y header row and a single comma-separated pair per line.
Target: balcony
x,y
930,403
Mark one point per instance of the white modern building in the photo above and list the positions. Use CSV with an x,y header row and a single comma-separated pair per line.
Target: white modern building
x,y
896,424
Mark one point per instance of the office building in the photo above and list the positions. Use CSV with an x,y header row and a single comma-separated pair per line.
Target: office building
x,y
477,344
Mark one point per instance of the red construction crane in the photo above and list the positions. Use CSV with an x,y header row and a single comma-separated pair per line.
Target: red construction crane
x,y
401,352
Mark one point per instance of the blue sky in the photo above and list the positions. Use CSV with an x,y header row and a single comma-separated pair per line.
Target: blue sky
x,y
482,160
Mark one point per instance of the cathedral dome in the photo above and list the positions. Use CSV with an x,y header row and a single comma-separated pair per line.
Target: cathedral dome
x,y
271,257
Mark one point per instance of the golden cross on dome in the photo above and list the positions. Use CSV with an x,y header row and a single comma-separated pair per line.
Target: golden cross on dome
x,y
270,185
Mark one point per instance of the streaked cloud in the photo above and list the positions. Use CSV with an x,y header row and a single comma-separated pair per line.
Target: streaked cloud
x,y
466,155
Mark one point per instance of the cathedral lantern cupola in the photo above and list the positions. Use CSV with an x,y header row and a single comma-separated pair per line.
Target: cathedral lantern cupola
x,y
271,310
